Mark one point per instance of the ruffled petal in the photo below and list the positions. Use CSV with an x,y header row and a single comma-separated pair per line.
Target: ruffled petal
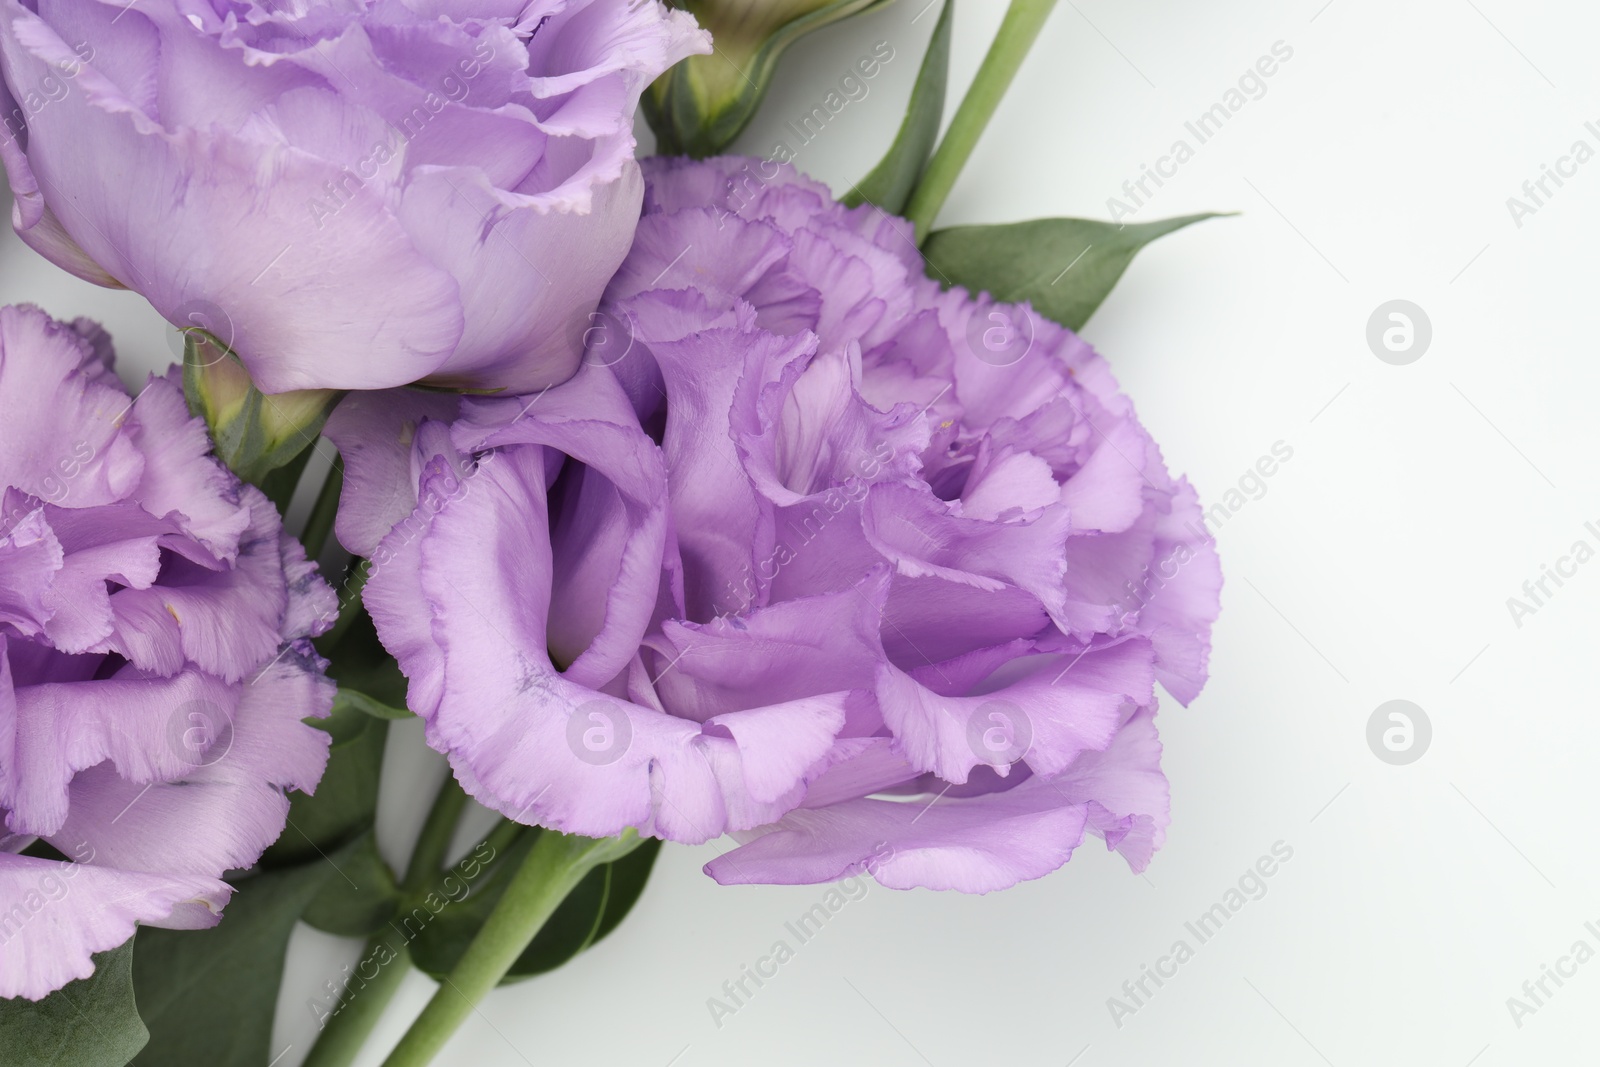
x,y
236,765
1047,718
195,186
60,914
51,731
155,672
973,844
62,442
180,476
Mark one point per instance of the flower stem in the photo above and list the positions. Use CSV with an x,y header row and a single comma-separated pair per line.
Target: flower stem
x,y
552,869
427,856
1018,30
319,524
347,1030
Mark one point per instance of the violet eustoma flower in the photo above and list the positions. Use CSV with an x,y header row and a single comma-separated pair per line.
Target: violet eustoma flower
x,y
351,196
916,575
155,662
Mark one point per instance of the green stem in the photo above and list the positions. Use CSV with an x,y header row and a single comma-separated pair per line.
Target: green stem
x,y
554,866
427,857
319,524
1017,33
347,1030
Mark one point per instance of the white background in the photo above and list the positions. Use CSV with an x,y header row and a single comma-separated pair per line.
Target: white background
x,y
1376,566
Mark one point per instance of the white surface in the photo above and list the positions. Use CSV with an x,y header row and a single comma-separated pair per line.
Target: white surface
x,y
1376,566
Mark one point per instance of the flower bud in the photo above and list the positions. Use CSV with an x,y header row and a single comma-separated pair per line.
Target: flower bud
x,y
253,433
699,106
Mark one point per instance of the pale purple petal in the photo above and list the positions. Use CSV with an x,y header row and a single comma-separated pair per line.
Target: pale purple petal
x,y
973,844
438,190
59,914
374,432
155,676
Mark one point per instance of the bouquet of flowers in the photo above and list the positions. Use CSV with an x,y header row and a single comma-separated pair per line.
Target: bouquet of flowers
x,y
679,498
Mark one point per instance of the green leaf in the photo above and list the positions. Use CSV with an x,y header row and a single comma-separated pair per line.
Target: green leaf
x,y
1065,268
359,662
208,996
91,1022
890,183
346,800
700,106
361,903
591,911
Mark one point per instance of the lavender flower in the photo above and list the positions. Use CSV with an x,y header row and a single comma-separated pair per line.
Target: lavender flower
x,y
155,662
351,196
888,585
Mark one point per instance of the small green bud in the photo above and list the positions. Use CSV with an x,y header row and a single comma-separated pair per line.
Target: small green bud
x,y
253,433
699,106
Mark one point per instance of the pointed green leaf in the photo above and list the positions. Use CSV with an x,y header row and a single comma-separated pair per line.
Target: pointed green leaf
x,y
1065,268
890,183
208,996
91,1022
